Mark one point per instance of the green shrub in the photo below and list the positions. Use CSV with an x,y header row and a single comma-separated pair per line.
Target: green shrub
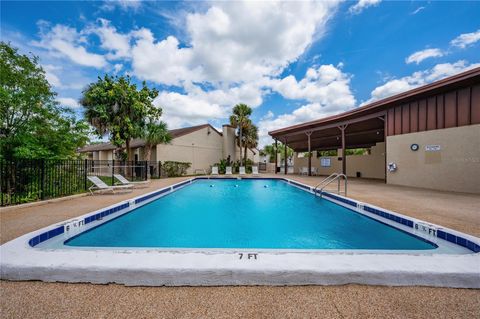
x,y
174,169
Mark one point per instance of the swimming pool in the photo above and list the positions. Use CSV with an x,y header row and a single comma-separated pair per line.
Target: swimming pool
x,y
263,214
239,232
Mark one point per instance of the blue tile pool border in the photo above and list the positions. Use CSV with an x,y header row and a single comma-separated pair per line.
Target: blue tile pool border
x,y
442,234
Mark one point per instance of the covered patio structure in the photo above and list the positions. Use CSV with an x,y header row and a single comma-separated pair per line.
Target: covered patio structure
x,y
360,128
425,132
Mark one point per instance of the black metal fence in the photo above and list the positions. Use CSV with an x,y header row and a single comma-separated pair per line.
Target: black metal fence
x,y
23,181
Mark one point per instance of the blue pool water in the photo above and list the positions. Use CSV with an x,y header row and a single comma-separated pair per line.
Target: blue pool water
x,y
246,214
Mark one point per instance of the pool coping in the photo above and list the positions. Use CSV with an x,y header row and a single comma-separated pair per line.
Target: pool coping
x,y
21,260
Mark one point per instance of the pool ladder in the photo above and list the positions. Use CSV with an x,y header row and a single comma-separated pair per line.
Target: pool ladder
x,y
330,179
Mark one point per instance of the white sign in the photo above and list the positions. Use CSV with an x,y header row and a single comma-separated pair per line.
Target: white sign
x,y
432,148
325,162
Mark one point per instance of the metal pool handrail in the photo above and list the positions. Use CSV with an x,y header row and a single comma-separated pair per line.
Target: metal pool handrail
x,y
332,177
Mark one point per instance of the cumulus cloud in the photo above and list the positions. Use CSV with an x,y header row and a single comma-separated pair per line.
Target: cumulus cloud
x,y
419,78
66,42
233,42
125,5
326,87
466,39
199,106
116,43
419,56
69,102
362,5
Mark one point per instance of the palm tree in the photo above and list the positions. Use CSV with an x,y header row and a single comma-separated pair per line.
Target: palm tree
x,y
239,119
153,134
250,137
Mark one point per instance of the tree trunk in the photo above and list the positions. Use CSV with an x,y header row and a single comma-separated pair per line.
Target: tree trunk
x,y
148,154
127,146
245,154
240,144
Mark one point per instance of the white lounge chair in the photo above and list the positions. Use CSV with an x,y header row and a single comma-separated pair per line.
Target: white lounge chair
x,y
255,170
314,171
214,170
304,171
125,181
100,186
228,170
242,170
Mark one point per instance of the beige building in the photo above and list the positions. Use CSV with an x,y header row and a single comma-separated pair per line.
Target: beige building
x,y
427,137
201,146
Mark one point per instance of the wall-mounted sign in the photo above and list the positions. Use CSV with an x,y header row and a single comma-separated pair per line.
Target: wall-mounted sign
x,y
432,148
414,147
325,162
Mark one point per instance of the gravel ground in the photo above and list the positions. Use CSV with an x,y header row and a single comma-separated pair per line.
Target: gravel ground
x,y
60,300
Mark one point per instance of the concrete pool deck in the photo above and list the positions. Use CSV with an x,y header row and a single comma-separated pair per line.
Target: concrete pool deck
x,y
458,211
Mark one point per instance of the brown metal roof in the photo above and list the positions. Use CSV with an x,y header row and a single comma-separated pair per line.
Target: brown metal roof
x,y
378,108
135,143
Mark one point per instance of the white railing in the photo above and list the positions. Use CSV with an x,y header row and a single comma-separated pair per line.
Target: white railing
x,y
327,181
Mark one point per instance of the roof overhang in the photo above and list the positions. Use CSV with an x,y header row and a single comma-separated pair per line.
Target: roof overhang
x,y
365,124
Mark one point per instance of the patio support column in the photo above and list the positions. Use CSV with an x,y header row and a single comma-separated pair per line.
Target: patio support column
x,y
309,154
344,157
276,155
285,156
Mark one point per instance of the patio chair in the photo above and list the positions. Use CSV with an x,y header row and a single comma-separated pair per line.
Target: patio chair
x,y
255,170
100,186
304,171
228,170
124,181
242,170
214,170
314,171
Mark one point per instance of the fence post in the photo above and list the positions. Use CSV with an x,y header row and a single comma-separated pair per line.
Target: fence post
x,y
113,168
146,170
42,179
85,174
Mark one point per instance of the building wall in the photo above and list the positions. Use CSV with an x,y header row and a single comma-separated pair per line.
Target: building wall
x,y
229,142
370,166
198,148
454,108
455,167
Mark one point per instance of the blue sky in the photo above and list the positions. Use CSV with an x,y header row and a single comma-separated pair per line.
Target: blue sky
x,y
291,61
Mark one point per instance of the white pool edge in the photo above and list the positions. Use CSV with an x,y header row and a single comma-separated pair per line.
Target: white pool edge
x,y
20,261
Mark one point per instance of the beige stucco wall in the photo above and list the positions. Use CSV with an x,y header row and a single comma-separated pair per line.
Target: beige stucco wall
x,y
370,166
199,148
229,142
456,167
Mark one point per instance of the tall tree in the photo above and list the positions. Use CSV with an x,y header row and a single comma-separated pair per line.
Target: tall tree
x,y
114,106
32,124
239,119
272,152
154,134
250,139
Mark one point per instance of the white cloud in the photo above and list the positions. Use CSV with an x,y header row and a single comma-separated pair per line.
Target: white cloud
x,y
198,106
51,76
419,56
116,43
69,102
362,5
466,39
328,90
162,62
66,42
125,5
419,78
232,42
326,85
418,10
